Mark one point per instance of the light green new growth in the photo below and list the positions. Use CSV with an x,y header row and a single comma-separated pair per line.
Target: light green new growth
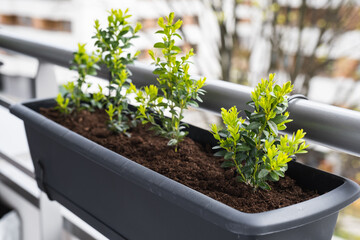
x,y
98,99
62,104
85,65
179,90
255,148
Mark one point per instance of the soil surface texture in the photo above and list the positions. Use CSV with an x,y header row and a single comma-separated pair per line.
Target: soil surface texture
x,y
193,165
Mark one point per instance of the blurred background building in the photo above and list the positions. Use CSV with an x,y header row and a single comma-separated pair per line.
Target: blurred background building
x,y
315,44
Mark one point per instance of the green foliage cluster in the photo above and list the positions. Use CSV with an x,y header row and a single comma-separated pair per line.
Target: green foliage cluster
x,y
178,89
113,43
74,95
62,104
254,147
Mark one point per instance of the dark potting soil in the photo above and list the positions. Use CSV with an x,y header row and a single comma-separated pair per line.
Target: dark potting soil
x,y
193,165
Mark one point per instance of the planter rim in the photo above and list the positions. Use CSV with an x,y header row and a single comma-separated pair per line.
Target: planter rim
x,y
195,202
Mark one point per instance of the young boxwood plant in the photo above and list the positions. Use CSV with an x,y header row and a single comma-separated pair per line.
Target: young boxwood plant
x,y
74,98
62,105
112,44
179,90
254,148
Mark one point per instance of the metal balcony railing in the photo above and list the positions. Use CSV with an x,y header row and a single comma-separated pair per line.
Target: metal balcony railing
x,y
327,125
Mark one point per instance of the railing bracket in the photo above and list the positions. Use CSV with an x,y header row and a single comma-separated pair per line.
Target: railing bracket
x,y
297,96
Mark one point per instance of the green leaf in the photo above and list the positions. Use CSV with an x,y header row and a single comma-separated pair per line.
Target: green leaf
x,y
172,142
263,173
266,133
173,112
302,151
193,104
281,127
159,45
274,176
220,153
228,155
264,185
227,164
273,127
279,173
247,170
216,147
249,141
240,157
248,114
176,48
277,88
253,125
175,34
227,144
281,109
284,169
257,115
279,119
242,148
223,133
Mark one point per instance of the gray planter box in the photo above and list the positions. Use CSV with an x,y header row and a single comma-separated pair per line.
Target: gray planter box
x,y
124,200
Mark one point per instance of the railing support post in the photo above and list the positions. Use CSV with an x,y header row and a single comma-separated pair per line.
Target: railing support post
x,y
50,219
45,81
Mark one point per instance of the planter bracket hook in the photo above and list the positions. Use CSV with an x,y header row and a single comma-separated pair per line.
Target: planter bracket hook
x,y
40,179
